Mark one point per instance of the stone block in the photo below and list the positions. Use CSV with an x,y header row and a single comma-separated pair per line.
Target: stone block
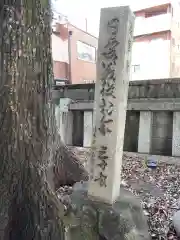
x,y
176,134
64,120
145,131
176,222
124,220
88,128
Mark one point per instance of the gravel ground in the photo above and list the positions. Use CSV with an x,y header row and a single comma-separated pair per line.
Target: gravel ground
x,y
159,188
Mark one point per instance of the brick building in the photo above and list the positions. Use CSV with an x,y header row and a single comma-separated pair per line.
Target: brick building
x,y
156,48
74,54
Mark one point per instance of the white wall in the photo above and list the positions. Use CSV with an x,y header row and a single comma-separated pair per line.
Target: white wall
x,y
142,4
59,49
152,24
153,58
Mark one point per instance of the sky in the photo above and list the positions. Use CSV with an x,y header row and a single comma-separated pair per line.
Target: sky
x,y
79,10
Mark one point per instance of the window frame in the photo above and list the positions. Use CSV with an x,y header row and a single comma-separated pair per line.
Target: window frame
x,y
85,60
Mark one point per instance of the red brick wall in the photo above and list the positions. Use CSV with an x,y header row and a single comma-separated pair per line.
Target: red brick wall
x,y
81,70
60,70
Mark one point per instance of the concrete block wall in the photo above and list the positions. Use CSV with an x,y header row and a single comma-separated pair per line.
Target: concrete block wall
x,y
162,126
146,132
176,134
64,121
152,122
88,128
131,131
154,132
78,128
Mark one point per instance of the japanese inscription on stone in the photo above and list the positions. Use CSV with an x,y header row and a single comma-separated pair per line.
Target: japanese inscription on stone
x,y
130,41
107,79
111,90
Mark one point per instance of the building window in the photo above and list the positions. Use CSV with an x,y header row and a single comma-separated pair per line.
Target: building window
x,y
86,52
135,68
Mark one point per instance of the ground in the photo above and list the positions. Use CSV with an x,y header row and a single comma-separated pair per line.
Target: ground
x,y
158,188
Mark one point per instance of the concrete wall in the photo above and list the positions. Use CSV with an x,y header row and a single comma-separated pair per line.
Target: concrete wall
x,y
145,132
131,131
176,134
88,128
158,135
149,89
64,121
162,133
154,136
153,116
78,128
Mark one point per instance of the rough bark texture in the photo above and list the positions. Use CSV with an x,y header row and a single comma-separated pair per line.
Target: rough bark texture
x,y
28,142
68,168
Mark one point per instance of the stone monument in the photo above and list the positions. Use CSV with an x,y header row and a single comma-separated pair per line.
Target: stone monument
x,y
99,209
111,93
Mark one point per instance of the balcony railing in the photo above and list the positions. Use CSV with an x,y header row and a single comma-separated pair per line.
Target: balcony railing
x,y
152,24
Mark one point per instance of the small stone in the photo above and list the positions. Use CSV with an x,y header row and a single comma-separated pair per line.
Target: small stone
x,y
146,213
176,222
171,237
124,183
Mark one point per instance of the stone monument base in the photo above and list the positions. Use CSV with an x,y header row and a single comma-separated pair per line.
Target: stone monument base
x,y
93,220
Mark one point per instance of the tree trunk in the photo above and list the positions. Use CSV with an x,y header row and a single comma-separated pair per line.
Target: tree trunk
x,y
28,141
67,167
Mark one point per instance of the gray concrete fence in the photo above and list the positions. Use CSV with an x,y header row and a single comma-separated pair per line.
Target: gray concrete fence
x,y
152,121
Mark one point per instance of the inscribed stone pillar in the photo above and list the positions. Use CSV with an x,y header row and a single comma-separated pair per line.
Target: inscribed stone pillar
x,y
145,130
65,121
111,92
176,135
88,128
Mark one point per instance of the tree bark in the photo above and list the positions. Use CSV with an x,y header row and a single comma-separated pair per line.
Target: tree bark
x,y
67,168
28,142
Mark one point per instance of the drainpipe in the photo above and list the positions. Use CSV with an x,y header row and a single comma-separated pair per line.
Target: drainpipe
x,y
86,24
69,56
